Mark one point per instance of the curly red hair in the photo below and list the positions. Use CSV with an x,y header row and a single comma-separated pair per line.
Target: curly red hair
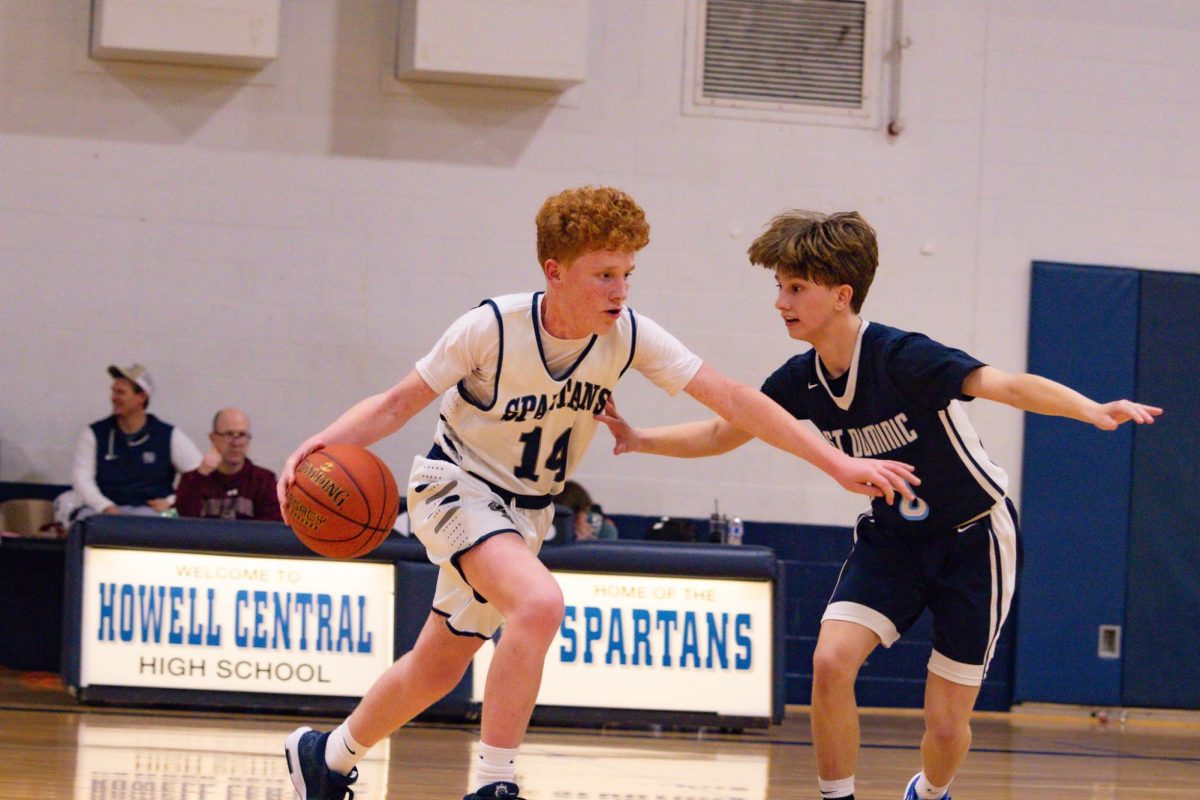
x,y
577,221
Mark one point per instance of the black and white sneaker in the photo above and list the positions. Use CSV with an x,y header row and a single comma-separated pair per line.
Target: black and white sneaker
x,y
500,790
305,752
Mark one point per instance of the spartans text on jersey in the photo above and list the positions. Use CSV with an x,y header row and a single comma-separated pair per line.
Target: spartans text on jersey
x,y
575,395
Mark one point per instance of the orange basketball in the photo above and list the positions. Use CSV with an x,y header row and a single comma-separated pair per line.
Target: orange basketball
x,y
343,502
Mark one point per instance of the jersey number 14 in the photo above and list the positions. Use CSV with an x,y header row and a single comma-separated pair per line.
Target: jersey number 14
x,y
556,461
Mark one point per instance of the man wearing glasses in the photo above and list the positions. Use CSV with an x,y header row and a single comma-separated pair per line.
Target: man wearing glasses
x,y
227,485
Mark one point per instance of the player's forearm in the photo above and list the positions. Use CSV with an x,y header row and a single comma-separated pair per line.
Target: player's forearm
x,y
363,424
379,415
762,417
1044,396
758,415
687,440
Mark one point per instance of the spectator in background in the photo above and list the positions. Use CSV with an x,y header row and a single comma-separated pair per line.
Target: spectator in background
x,y
126,463
227,484
590,522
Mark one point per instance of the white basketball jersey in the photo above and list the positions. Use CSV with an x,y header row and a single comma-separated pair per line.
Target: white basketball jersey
x,y
533,433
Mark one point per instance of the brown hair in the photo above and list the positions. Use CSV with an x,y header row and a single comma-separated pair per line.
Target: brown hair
x,y
827,250
576,221
574,497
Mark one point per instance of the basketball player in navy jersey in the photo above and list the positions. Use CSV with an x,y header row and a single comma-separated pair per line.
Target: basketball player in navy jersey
x,y
881,392
521,378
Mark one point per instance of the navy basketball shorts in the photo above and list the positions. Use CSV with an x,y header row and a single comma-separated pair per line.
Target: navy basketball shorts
x,y
451,511
965,576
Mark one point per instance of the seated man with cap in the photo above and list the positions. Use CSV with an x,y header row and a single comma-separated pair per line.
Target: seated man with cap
x,y
227,484
126,463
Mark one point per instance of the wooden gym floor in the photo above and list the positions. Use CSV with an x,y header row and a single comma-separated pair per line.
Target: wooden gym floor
x,y
50,747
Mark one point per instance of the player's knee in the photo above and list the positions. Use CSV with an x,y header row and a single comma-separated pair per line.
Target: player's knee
x,y
443,680
831,667
433,677
541,612
438,663
946,731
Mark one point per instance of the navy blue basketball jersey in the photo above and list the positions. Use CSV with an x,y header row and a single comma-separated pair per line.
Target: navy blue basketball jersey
x,y
901,399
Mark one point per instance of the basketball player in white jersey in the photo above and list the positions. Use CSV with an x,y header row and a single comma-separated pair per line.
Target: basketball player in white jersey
x,y
881,392
521,378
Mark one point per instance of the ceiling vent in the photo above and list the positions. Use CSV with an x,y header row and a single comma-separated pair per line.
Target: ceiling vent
x,y
794,60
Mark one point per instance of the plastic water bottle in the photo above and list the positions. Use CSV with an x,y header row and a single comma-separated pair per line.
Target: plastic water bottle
x,y
736,530
716,526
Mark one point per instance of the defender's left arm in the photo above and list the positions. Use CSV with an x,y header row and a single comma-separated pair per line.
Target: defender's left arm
x,y
1044,396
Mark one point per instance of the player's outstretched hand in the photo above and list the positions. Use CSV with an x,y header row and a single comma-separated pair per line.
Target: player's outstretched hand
x,y
1109,415
625,436
878,478
288,475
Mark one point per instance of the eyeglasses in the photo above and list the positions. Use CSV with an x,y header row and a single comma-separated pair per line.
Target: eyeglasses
x,y
233,436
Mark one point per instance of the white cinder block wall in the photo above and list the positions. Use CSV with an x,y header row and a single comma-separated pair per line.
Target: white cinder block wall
x,y
294,239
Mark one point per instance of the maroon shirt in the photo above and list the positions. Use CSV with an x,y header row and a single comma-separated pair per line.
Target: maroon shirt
x,y
247,494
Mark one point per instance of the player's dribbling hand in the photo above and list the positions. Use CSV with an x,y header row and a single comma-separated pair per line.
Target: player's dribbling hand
x,y
1110,415
288,475
876,478
625,436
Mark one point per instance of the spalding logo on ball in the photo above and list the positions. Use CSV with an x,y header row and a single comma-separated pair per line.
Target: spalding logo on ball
x,y
343,502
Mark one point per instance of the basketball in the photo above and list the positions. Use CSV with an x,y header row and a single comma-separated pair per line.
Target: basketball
x,y
343,502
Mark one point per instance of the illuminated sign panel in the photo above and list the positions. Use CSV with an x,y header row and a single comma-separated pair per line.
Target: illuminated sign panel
x,y
242,623
658,643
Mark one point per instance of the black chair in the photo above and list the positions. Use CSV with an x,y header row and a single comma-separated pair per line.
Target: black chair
x,y
672,529
564,527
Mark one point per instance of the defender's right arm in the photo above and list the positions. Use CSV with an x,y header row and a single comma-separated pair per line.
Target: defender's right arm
x,y
748,413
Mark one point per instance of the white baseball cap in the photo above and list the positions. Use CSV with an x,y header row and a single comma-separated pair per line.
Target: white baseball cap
x,y
136,374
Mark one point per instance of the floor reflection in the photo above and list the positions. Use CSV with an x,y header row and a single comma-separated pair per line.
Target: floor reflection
x,y
587,772
215,762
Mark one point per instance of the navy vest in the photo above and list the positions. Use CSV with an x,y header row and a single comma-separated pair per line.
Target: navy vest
x,y
134,468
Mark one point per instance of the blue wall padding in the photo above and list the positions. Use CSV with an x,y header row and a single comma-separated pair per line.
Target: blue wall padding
x,y
1161,648
1083,331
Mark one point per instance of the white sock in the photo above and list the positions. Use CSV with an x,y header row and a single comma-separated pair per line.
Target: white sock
x,y
494,764
927,791
842,787
341,751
